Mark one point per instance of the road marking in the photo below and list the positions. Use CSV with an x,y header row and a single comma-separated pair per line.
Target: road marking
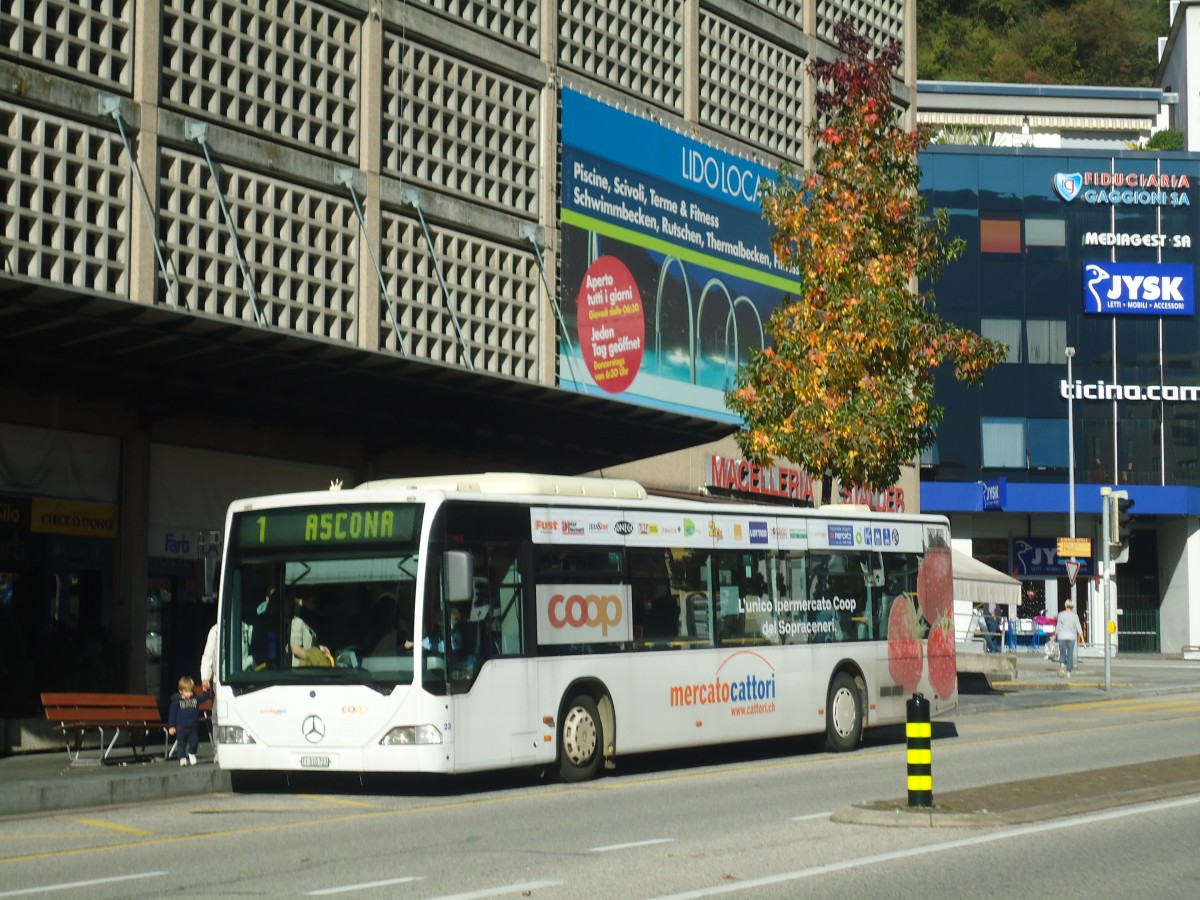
x,y
366,885
631,844
824,815
339,801
126,829
500,891
66,885
1124,705
859,862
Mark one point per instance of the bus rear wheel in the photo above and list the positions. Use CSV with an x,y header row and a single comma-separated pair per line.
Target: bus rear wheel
x,y
843,714
580,740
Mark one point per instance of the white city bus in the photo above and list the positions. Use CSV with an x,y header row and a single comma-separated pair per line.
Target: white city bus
x,y
508,620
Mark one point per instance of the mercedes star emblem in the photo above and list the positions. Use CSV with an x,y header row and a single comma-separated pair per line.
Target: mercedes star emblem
x,y
313,729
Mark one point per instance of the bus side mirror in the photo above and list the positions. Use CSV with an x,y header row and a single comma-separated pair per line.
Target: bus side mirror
x,y
458,576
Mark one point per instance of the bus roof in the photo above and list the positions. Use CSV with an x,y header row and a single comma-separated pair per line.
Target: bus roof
x,y
523,483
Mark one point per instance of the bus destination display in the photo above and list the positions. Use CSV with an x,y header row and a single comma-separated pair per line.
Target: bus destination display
x,y
325,525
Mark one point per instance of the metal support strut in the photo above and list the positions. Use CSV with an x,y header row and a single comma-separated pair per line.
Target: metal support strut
x,y
198,132
345,176
533,234
412,197
111,106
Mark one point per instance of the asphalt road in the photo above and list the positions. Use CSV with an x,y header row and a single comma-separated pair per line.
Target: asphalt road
x,y
751,822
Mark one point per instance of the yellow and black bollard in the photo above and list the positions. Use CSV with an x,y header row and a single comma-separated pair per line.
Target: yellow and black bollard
x,y
920,752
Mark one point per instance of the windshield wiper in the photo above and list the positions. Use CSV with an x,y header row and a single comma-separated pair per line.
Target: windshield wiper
x,y
356,676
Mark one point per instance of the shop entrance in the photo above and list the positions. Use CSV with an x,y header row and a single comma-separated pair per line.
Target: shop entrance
x,y
177,623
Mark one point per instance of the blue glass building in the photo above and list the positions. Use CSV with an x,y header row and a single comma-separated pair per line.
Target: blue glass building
x,y
1092,250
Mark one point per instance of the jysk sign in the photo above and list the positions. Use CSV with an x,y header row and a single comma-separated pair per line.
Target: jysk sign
x,y
1037,557
1139,289
995,493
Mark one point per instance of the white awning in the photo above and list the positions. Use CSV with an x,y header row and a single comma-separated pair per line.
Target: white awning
x,y
981,584
976,585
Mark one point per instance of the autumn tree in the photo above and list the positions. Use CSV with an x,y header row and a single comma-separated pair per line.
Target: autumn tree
x,y
845,385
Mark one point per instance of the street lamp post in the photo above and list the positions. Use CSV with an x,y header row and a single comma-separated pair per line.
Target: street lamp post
x,y
1070,351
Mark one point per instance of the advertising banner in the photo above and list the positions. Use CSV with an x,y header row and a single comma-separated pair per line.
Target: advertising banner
x,y
1139,289
666,263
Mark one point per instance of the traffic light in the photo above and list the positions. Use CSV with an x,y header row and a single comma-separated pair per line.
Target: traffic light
x,y
1120,519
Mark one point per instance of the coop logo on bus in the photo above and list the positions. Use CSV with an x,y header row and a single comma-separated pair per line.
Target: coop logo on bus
x,y
841,535
744,682
583,613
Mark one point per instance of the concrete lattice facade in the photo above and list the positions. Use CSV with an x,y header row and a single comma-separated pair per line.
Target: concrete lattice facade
x,y
360,189
426,115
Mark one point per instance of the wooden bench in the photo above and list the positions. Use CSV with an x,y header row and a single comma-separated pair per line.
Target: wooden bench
x,y
76,714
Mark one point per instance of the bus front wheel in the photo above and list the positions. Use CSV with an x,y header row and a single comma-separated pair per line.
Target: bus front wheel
x,y
580,740
843,714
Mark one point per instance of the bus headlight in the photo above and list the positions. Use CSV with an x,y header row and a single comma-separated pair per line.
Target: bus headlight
x,y
233,734
412,734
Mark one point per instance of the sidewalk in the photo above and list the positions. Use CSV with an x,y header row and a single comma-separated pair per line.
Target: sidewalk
x,y
44,782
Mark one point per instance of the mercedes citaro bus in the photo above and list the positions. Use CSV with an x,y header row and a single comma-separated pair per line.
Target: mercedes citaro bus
x,y
462,623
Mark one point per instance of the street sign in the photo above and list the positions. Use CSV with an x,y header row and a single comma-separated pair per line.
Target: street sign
x,y
1072,569
1068,546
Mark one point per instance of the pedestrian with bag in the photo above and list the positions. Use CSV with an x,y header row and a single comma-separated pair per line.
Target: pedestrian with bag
x,y
1068,632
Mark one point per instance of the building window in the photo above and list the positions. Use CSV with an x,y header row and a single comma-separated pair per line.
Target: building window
x,y
1045,233
1006,330
999,235
1047,341
1048,444
1003,443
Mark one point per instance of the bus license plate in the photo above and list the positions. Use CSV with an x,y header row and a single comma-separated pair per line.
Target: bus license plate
x,y
314,762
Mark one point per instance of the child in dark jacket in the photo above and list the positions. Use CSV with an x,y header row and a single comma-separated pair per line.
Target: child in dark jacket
x,y
183,719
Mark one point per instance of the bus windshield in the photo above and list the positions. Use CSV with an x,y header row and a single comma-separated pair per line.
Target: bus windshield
x,y
321,594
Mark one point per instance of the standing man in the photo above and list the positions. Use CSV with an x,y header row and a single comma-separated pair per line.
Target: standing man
x,y
1067,632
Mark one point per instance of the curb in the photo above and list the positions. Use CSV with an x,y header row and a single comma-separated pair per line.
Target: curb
x,y
75,790
895,814
1079,691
